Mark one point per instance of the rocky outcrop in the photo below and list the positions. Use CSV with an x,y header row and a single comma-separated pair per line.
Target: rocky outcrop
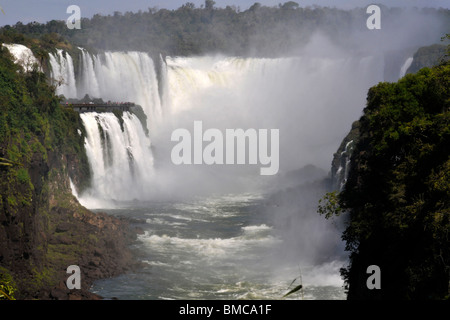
x,y
428,57
44,229
340,165
96,242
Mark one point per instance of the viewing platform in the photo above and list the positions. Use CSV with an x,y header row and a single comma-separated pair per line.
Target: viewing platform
x,y
103,107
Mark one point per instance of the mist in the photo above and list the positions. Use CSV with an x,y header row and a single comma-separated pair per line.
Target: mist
x,y
311,93
308,82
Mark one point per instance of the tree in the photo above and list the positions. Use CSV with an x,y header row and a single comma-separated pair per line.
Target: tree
x,y
398,190
188,5
209,4
290,5
255,6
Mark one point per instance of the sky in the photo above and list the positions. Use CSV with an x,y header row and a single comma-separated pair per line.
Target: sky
x,y
46,10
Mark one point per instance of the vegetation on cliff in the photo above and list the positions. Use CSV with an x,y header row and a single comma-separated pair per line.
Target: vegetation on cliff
x,y
397,195
43,229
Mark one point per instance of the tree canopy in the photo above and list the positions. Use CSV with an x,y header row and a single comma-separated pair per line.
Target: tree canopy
x,y
397,195
191,30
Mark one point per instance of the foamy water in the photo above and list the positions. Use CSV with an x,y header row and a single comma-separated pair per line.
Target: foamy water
x,y
215,248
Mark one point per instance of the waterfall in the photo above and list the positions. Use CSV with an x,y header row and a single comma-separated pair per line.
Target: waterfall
x,y
62,72
23,56
122,77
119,156
405,67
163,85
115,76
311,99
88,82
118,149
344,167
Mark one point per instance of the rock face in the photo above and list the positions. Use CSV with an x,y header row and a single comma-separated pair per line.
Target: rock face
x,y
39,242
340,165
97,243
43,228
428,57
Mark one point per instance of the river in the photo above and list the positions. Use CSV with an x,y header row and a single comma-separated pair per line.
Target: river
x,y
216,247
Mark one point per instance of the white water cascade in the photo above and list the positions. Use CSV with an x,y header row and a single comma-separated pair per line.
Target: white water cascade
x,y
119,154
63,73
405,67
344,167
23,56
122,77
120,158
311,99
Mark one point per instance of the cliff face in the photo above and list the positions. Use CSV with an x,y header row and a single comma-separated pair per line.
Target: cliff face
x,y
43,228
22,225
40,240
340,165
428,57
96,242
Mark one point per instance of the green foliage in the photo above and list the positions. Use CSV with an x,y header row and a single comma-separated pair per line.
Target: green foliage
x,y
36,132
23,176
7,285
398,189
329,205
259,30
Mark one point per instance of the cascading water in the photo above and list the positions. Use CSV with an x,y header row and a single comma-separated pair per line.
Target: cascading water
x,y
122,77
63,73
202,247
344,167
311,99
23,56
88,79
119,156
405,67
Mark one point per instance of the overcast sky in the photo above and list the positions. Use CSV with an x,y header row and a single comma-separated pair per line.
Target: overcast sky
x,y
46,10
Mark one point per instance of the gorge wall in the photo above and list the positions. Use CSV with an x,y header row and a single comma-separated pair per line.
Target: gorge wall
x,y
43,229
